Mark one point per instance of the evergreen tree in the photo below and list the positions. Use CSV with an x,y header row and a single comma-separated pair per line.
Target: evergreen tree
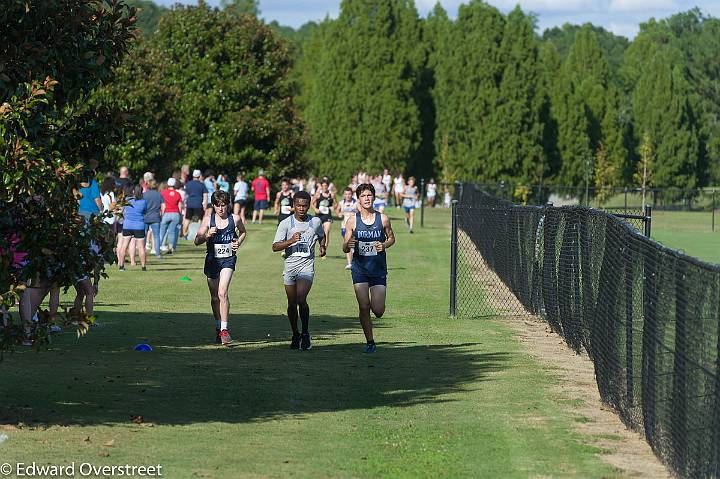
x,y
467,75
549,64
662,108
515,134
362,109
587,112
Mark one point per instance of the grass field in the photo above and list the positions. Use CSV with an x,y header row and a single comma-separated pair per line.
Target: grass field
x,y
688,231
450,398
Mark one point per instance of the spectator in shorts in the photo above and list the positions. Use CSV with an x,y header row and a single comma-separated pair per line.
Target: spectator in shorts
x,y
196,201
170,214
133,226
241,196
261,189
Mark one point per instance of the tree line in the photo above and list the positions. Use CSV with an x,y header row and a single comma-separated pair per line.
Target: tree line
x,y
485,97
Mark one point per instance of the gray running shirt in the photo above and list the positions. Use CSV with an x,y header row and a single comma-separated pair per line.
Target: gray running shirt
x,y
302,252
410,190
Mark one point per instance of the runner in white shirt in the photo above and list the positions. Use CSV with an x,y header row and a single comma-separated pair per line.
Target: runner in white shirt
x,y
296,236
399,189
346,209
387,181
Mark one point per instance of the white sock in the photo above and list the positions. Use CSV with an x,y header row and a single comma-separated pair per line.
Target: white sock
x,y
217,324
223,325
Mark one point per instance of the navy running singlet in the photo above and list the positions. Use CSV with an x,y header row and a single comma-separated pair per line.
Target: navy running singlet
x,y
366,259
218,246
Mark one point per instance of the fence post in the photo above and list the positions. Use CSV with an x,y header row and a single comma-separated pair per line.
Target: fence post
x,y
626,192
648,220
713,210
457,190
453,260
629,333
422,202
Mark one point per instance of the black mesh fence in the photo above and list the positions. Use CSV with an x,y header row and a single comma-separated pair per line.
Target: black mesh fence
x,y
647,316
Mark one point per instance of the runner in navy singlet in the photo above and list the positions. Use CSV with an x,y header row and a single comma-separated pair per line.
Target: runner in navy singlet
x,y
223,233
369,234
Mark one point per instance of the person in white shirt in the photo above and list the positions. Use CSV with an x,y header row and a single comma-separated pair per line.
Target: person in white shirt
x,y
399,189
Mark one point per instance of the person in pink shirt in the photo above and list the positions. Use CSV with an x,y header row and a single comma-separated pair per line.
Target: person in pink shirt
x,y
261,189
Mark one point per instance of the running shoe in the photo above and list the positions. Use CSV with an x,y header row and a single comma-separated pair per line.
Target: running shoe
x,y
225,338
144,268
121,268
295,342
217,337
305,341
370,348
348,266
170,252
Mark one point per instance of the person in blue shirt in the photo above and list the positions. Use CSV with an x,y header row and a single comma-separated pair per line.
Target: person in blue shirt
x,y
222,183
133,226
196,201
91,202
368,234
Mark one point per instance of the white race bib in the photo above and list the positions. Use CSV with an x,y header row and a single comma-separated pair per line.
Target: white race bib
x,y
300,249
367,248
324,210
285,209
223,250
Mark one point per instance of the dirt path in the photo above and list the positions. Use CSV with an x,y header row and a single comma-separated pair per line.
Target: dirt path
x,y
622,448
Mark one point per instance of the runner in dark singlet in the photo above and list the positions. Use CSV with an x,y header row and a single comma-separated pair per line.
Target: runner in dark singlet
x,y
223,233
324,201
369,234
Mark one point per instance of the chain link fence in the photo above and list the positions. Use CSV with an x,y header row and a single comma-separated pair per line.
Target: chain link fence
x,y
647,316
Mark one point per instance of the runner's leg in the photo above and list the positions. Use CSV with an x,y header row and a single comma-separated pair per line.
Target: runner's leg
x,y
292,309
223,296
141,250
122,248
213,285
302,288
362,293
377,300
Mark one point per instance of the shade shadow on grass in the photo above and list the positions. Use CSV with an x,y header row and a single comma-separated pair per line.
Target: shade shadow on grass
x,y
187,379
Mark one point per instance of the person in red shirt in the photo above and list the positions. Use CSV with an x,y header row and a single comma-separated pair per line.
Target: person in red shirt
x,y
170,211
261,189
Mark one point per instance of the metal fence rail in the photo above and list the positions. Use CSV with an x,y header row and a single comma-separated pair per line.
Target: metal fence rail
x,y
648,316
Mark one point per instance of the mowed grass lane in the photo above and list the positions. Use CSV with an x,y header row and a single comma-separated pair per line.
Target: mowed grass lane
x,y
451,398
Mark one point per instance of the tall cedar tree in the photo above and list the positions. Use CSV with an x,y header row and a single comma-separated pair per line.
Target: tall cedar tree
x,y
469,68
587,111
662,108
362,111
516,149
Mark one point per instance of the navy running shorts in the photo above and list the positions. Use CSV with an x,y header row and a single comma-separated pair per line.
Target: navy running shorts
x,y
370,280
213,265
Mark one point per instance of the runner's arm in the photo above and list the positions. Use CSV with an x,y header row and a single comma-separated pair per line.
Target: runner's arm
x,y
389,233
348,239
201,237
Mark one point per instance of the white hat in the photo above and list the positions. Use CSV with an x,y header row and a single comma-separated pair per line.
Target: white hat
x,y
196,174
171,182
